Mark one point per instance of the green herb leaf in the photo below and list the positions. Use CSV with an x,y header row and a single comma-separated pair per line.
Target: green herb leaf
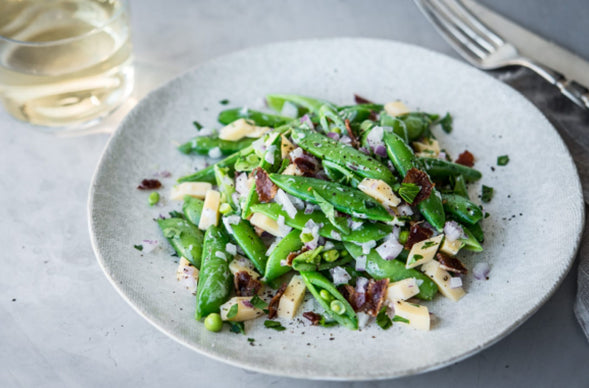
x,y
446,123
417,257
329,211
251,340
237,327
232,311
487,194
176,214
274,325
408,191
323,322
383,320
397,318
197,125
224,102
428,244
139,247
502,160
257,302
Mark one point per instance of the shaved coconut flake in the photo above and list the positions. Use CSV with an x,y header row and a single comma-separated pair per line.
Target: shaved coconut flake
x,y
241,185
453,231
272,246
221,255
374,137
231,249
283,229
269,157
149,245
455,282
339,275
296,153
215,153
405,210
361,263
481,271
282,199
289,110
363,319
390,248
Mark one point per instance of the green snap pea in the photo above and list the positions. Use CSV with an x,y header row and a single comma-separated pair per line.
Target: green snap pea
x,y
276,102
443,170
403,159
333,151
192,209
290,243
203,144
260,119
470,241
343,198
315,283
477,232
357,113
338,263
460,187
328,112
367,232
185,238
244,234
394,270
340,174
225,183
418,124
215,280
207,174
308,260
462,209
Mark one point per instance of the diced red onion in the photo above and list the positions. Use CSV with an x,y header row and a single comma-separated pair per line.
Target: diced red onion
x,y
235,199
390,248
335,235
149,245
374,137
231,249
241,185
355,225
363,319
364,150
367,246
296,153
481,270
283,229
284,263
380,150
259,146
231,220
361,284
247,303
339,275
188,279
442,155
361,263
333,135
163,174
272,246
289,110
346,140
310,208
419,282
269,157
283,200
328,245
455,282
306,120
221,255
453,231
313,229
215,153
405,210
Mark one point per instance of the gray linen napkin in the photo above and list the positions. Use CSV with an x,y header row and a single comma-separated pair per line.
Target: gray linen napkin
x,y
572,123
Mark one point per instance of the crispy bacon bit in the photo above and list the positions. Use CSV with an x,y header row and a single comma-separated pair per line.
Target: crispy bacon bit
x,y
273,305
361,100
421,179
313,317
265,188
450,263
466,159
245,284
291,256
369,302
355,142
149,184
417,233
308,164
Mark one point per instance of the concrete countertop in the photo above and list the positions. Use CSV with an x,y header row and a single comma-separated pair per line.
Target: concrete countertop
x,y
62,324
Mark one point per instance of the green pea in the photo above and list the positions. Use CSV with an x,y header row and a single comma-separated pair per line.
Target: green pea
x,y
331,255
403,236
306,237
336,306
325,295
153,198
213,322
224,208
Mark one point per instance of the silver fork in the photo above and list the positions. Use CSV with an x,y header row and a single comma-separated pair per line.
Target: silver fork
x,y
485,49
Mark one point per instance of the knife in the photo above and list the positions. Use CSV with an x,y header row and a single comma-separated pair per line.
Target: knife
x,y
533,46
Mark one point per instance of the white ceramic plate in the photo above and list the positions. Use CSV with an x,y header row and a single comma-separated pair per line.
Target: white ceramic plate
x,y
531,236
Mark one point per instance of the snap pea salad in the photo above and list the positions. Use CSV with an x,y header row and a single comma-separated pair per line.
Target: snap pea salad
x,y
357,207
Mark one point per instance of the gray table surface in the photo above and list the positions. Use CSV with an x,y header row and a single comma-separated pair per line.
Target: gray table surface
x,y
62,324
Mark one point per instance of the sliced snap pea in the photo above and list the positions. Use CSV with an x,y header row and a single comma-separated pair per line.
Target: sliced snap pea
x,y
367,232
462,209
333,151
203,144
316,283
343,198
185,238
460,187
394,270
260,119
470,241
215,280
253,247
192,209
329,112
357,113
290,243
443,170
225,184
477,232
308,260
340,174
207,174
276,102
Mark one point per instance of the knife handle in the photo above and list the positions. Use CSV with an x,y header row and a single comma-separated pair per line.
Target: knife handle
x,y
573,90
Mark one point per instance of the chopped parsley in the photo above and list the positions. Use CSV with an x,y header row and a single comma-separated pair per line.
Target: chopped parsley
x,y
237,327
274,325
197,125
251,339
383,320
446,123
502,160
139,247
257,302
417,257
408,191
397,318
224,102
487,194
329,210
428,244
232,311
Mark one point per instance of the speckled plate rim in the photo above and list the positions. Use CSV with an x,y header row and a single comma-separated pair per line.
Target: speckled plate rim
x,y
359,376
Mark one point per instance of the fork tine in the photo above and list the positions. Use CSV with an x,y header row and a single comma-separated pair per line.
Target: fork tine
x,y
477,23
461,42
450,8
